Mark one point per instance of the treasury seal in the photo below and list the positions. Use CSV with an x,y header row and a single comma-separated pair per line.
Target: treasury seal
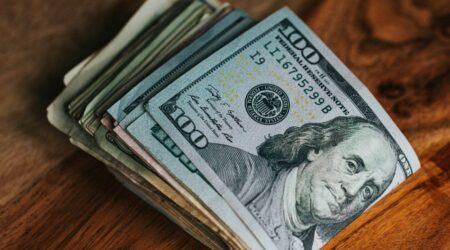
x,y
267,104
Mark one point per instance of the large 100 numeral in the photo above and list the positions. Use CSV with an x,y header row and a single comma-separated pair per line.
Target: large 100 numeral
x,y
299,42
187,126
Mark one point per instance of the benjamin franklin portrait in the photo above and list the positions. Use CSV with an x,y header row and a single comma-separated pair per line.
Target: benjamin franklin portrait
x,y
314,175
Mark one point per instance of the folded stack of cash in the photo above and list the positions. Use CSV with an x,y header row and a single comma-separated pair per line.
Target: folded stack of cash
x,y
249,135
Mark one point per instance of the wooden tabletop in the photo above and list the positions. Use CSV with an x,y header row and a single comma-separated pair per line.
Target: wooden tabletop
x,y
53,195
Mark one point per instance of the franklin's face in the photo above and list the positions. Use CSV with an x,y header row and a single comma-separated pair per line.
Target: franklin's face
x,y
344,180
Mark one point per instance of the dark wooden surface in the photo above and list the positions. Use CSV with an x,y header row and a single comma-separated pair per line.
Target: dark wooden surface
x,y
52,195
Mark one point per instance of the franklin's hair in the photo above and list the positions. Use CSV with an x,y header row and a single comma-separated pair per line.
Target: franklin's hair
x,y
292,147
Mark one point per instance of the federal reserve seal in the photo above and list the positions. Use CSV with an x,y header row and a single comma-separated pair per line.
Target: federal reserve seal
x,y
267,104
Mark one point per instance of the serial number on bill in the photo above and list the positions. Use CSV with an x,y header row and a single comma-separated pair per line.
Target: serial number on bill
x,y
293,71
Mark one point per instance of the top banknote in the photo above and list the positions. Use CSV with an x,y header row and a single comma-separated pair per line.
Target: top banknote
x,y
285,133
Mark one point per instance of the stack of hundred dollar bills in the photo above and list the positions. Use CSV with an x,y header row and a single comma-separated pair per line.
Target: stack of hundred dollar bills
x,y
248,135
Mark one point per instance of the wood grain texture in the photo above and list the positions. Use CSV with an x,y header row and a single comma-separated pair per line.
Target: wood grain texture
x,y
52,195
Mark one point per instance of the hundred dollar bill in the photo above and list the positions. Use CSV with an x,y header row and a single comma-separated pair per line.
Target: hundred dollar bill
x,y
289,137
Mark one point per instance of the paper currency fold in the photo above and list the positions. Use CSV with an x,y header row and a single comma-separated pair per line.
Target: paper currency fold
x,y
247,135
